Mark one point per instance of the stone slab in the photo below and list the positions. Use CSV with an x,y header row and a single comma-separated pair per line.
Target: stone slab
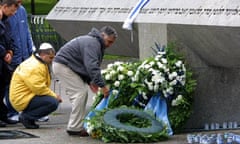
x,y
193,12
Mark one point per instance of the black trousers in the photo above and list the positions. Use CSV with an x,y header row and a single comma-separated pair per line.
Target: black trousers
x,y
5,77
3,108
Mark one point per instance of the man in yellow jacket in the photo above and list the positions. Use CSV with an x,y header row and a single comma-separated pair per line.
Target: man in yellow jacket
x,y
30,91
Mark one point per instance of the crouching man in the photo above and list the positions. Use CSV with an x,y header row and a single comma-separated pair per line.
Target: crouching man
x,y
30,91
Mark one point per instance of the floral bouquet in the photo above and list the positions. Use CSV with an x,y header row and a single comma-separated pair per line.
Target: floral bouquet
x,y
134,84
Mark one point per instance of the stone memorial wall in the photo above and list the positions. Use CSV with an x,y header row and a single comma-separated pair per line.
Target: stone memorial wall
x,y
200,12
206,32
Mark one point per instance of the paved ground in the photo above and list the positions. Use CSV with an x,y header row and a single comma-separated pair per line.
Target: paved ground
x,y
53,131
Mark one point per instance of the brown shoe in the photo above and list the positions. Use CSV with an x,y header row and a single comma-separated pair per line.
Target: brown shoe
x,y
82,133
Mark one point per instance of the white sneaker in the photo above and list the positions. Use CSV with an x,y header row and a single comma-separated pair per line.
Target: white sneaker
x,y
15,117
43,119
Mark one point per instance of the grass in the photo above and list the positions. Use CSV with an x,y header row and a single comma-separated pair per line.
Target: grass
x,y
113,57
42,7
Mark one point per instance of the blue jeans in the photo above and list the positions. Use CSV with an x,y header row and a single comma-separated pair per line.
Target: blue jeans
x,y
40,106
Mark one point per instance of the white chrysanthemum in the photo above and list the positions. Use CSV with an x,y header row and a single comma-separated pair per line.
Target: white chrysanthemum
x,y
178,63
172,75
120,77
160,65
107,77
112,72
158,78
150,86
88,124
157,57
165,69
179,97
98,93
103,71
144,96
142,65
110,65
162,79
130,73
115,92
152,70
151,63
118,63
156,88
170,90
164,60
161,52
120,68
89,129
181,79
133,79
147,66
165,93
136,76
174,102
173,83
116,83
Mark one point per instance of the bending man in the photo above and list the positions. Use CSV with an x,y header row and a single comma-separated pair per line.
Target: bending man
x,y
77,65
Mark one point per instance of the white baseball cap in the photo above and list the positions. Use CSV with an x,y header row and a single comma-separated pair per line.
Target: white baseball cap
x,y
45,46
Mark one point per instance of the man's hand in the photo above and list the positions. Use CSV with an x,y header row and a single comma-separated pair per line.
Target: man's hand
x,y
93,87
8,58
105,91
59,98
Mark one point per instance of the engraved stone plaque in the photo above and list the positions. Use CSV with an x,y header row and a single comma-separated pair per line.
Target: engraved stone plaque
x,y
196,12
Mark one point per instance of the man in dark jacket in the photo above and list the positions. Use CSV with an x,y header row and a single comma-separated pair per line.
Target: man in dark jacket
x,y
20,33
7,8
77,65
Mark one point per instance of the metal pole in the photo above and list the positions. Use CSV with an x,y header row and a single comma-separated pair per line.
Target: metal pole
x,y
33,7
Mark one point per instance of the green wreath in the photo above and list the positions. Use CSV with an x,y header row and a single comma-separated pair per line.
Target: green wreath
x,y
127,125
111,118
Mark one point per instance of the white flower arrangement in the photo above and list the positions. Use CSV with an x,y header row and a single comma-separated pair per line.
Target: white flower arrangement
x,y
137,82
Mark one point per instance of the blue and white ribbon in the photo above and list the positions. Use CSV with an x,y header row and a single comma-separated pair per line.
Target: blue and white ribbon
x,y
159,107
133,14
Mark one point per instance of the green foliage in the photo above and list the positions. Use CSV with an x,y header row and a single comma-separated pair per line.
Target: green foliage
x,y
131,119
107,133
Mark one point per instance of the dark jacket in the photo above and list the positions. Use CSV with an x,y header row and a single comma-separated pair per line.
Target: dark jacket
x,y
84,56
6,43
21,35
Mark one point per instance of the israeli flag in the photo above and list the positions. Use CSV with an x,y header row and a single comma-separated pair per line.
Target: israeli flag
x,y
133,14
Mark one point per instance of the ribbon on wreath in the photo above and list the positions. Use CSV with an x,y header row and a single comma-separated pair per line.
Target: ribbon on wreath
x,y
103,104
159,107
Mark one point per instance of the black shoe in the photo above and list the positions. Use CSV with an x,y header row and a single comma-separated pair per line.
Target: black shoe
x,y
82,133
9,121
29,124
2,124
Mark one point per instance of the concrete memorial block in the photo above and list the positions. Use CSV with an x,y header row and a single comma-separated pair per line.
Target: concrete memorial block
x,y
207,33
